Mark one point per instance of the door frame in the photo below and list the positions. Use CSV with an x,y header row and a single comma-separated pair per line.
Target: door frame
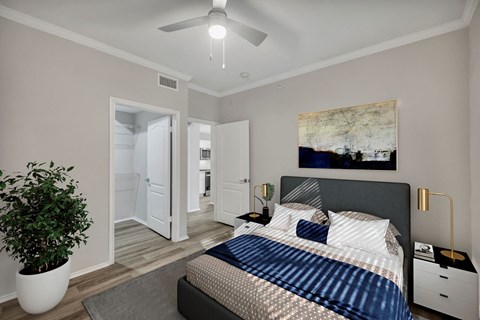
x,y
175,168
213,163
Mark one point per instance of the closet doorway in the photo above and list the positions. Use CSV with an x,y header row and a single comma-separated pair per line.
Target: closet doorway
x,y
143,168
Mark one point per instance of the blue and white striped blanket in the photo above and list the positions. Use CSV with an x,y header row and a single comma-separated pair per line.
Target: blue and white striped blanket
x,y
348,290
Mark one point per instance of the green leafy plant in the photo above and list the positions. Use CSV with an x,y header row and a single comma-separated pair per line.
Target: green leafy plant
x,y
2,184
42,217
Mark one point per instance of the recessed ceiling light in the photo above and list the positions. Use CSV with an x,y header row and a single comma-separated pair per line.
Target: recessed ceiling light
x,y
244,75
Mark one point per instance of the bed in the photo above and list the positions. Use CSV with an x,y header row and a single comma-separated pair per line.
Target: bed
x,y
238,288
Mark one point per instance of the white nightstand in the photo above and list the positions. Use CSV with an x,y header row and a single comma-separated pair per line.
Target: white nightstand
x,y
448,286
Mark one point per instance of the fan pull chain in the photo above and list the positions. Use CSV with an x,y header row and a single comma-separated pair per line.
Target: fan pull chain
x,y
223,49
211,51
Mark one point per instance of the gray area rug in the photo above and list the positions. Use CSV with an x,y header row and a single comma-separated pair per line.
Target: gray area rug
x,y
149,296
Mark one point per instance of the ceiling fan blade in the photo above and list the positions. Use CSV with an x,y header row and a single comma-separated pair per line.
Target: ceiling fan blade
x,y
220,4
250,34
185,24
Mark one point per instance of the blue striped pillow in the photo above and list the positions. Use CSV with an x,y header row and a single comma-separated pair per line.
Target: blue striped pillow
x,y
312,231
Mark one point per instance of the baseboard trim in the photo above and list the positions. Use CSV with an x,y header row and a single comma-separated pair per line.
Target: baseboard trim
x,y
140,221
8,297
89,269
132,218
123,220
193,210
102,265
181,239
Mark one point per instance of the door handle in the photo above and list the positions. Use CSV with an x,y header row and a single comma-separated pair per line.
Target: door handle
x,y
147,180
244,180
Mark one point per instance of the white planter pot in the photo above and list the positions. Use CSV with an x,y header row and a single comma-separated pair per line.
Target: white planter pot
x,y
39,293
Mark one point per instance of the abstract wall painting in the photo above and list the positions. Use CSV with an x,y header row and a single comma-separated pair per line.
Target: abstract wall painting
x,y
358,137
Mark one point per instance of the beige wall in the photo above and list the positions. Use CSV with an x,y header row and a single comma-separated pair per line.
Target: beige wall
x,y
54,105
474,35
430,81
203,106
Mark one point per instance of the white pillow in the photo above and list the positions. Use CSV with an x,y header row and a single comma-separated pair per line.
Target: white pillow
x,y
286,219
296,216
364,235
281,218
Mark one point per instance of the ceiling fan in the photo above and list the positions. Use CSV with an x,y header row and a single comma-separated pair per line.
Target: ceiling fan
x,y
219,24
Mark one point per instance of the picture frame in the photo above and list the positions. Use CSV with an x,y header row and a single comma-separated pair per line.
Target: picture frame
x,y
355,137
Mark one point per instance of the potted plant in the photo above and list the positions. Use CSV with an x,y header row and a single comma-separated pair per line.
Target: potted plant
x,y
42,218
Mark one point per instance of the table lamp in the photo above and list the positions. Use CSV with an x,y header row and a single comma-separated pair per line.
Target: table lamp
x,y
424,205
264,188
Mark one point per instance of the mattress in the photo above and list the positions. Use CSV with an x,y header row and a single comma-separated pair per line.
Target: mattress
x,y
251,297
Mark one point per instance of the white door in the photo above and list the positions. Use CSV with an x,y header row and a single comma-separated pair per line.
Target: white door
x,y
233,171
158,176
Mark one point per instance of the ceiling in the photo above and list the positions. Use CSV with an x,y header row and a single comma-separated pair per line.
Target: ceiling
x,y
303,35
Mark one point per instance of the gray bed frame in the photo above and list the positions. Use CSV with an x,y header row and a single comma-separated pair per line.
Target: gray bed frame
x,y
389,200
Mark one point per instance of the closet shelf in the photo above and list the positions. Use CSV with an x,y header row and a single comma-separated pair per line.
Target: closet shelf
x,y
127,126
124,146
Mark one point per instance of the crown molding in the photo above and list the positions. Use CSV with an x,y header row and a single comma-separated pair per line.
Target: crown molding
x,y
390,44
41,25
469,11
201,89
50,28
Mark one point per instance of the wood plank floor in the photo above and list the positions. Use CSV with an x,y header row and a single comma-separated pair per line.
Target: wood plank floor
x,y
138,250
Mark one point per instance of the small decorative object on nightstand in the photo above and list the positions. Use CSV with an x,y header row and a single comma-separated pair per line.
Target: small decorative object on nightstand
x,y
424,251
245,224
446,285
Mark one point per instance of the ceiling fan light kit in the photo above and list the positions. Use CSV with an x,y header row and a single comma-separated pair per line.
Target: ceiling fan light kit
x,y
217,27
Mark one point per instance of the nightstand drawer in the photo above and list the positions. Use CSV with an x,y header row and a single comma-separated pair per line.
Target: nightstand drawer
x,y
451,273
441,284
456,308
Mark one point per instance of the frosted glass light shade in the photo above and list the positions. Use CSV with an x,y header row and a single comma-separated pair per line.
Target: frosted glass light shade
x,y
217,31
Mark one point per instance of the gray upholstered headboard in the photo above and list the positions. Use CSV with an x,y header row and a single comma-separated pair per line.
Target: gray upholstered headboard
x,y
388,200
